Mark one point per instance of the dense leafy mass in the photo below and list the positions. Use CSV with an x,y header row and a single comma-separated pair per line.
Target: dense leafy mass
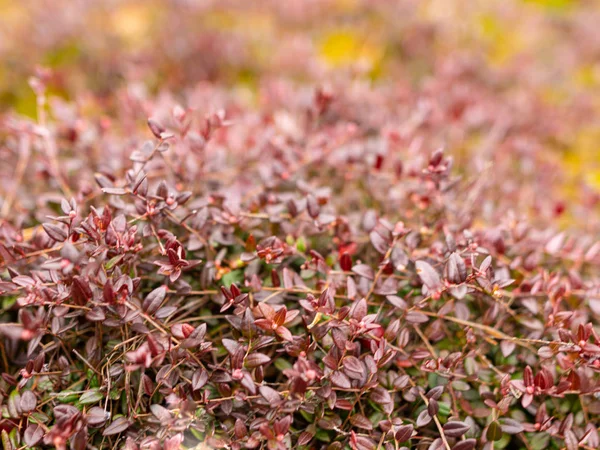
x,y
329,265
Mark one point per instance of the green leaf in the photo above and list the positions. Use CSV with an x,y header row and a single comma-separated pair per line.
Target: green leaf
x,y
67,397
94,382
235,276
113,261
91,396
8,302
310,418
6,444
282,364
115,394
38,417
494,432
14,437
461,385
470,365
504,442
301,244
323,435
198,434
14,400
538,441
307,274
444,409
45,384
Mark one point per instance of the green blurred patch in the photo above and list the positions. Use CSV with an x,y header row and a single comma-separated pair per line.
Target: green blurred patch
x,y
24,102
342,47
63,55
247,22
246,81
582,160
503,40
552,4
587,76
15,92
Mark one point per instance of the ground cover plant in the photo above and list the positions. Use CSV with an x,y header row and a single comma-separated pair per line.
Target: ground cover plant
x,y
350,254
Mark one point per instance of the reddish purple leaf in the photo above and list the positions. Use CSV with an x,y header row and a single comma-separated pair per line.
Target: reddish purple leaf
x,y
428,275
360,421
256,359
33,435
340,380
456,429
55,232
117,426
364,271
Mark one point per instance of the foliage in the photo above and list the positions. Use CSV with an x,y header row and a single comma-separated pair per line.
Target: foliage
x,y
339,264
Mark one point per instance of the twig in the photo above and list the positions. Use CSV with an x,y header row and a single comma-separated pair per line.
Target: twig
x,y
24,154
491,331
86,362
380,271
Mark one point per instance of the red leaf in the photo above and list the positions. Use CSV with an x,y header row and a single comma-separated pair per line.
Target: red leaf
x,y
95,315
117,426
360,421
28,401
288,278
416,317
456,270
428,275
154,299
404,433
55,232
96,416
353,364
359,309
571,441
511,426
114,191
305,437
230,345
468,444
364,271
33,435
339,338
270,394
487,262
380,396
279,317
456,429
313,206
160,413
364,443
256,359
423,419
340,380
380,244
240,429
435,393
284,333
555,244
507,347
156,128
199,379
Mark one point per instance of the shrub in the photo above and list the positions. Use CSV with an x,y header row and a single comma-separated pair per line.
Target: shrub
x,y
295,253
307,276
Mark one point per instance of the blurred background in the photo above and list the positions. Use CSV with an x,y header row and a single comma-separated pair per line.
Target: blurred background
x,y
539,59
